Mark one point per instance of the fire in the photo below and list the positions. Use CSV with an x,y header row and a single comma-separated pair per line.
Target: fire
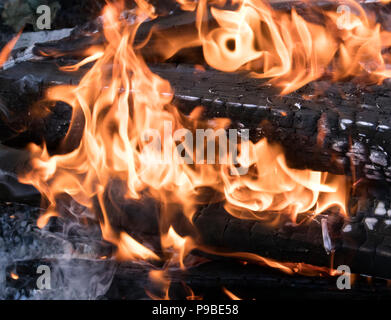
x,y
6,51
230,294
192,296
284,47
89,59
160,280
181,246
125,108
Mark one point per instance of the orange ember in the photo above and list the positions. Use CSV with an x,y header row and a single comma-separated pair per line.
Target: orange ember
x,y
14,276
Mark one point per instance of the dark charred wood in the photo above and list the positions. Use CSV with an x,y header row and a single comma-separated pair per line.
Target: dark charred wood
x,y
22,121
12,163
129,281
73,13
361,241
344,129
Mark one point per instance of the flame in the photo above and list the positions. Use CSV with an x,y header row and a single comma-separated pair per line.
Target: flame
x,y
85,61
187,5
6,51
181,246
230,294
126,108
284,47
160,280
192,296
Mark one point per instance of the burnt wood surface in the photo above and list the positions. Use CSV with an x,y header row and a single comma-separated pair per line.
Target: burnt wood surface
x,y
248,282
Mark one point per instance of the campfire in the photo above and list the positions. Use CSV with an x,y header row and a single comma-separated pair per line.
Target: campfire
x,y
161,147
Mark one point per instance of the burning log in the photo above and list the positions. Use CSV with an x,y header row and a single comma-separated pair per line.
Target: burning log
x,y
363,245
362,241
247,281
357,242
166,26
343,129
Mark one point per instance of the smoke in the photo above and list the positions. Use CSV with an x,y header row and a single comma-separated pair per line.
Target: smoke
x,y
76,258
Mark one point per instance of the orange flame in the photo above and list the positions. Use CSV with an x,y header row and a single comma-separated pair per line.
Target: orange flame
x,y
192,296
230,294
85,61
159,279
285,47
6,51
126,107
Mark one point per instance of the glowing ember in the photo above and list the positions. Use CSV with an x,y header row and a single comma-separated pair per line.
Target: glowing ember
x,y
14,276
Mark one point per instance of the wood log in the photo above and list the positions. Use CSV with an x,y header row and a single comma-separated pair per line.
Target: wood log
x,y
345,129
